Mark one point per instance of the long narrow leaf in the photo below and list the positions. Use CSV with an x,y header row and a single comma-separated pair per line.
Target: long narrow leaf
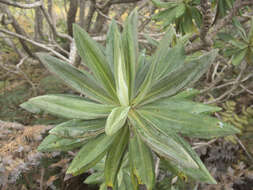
x,y
181,78
114,156
164,145
79,128
131,49
161,4
160,54
192,125
142,162
120,70
75,78
171,61
94,58
56,143
175,104
201,174
90,154
67,106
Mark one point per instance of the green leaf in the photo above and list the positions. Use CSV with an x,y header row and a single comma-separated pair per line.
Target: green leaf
x,y
196,15
201,174
68,106
95,178
238,44
116,120
126,181
161,4
92,55
240,29
30,107
160,54
78,80
110,46
239,56
141,161
175,104
170,61
131,49
91,153
164,145
225,36
169,15
186,21
115,155
144,64
184,76
120,70
251,31
188,124
189,93
79,128
56,143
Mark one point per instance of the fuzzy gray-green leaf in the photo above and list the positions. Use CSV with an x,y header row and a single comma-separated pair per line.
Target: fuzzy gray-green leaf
x,y
79,128
70,106
56,143
90,154
192,125
141,162
95,59
77,79
162,144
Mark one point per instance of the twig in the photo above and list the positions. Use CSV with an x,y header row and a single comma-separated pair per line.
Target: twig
x,y
202,144
244,148
73,53
107,17
42,178
24,74
21,5
52,26
235,85
246,89
36,44
157,167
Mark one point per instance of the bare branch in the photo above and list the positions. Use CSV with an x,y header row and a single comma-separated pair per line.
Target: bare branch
x,y
21,5
122,1
43,46
52,26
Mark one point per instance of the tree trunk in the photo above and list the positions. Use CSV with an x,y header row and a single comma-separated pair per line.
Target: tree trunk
x,y
82,4
38,27
100,21
71,18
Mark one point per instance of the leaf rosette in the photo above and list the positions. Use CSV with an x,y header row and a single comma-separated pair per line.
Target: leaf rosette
x,y
135,108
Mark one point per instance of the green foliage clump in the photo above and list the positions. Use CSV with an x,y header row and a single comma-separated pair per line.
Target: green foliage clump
x,y
183,13
238,46
134,108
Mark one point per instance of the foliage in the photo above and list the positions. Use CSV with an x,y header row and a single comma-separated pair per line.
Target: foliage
x,y
183,13
130,100
223,6
238,46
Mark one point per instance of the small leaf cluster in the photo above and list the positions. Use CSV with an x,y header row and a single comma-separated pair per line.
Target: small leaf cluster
x,y
135,107
183,13
238,46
